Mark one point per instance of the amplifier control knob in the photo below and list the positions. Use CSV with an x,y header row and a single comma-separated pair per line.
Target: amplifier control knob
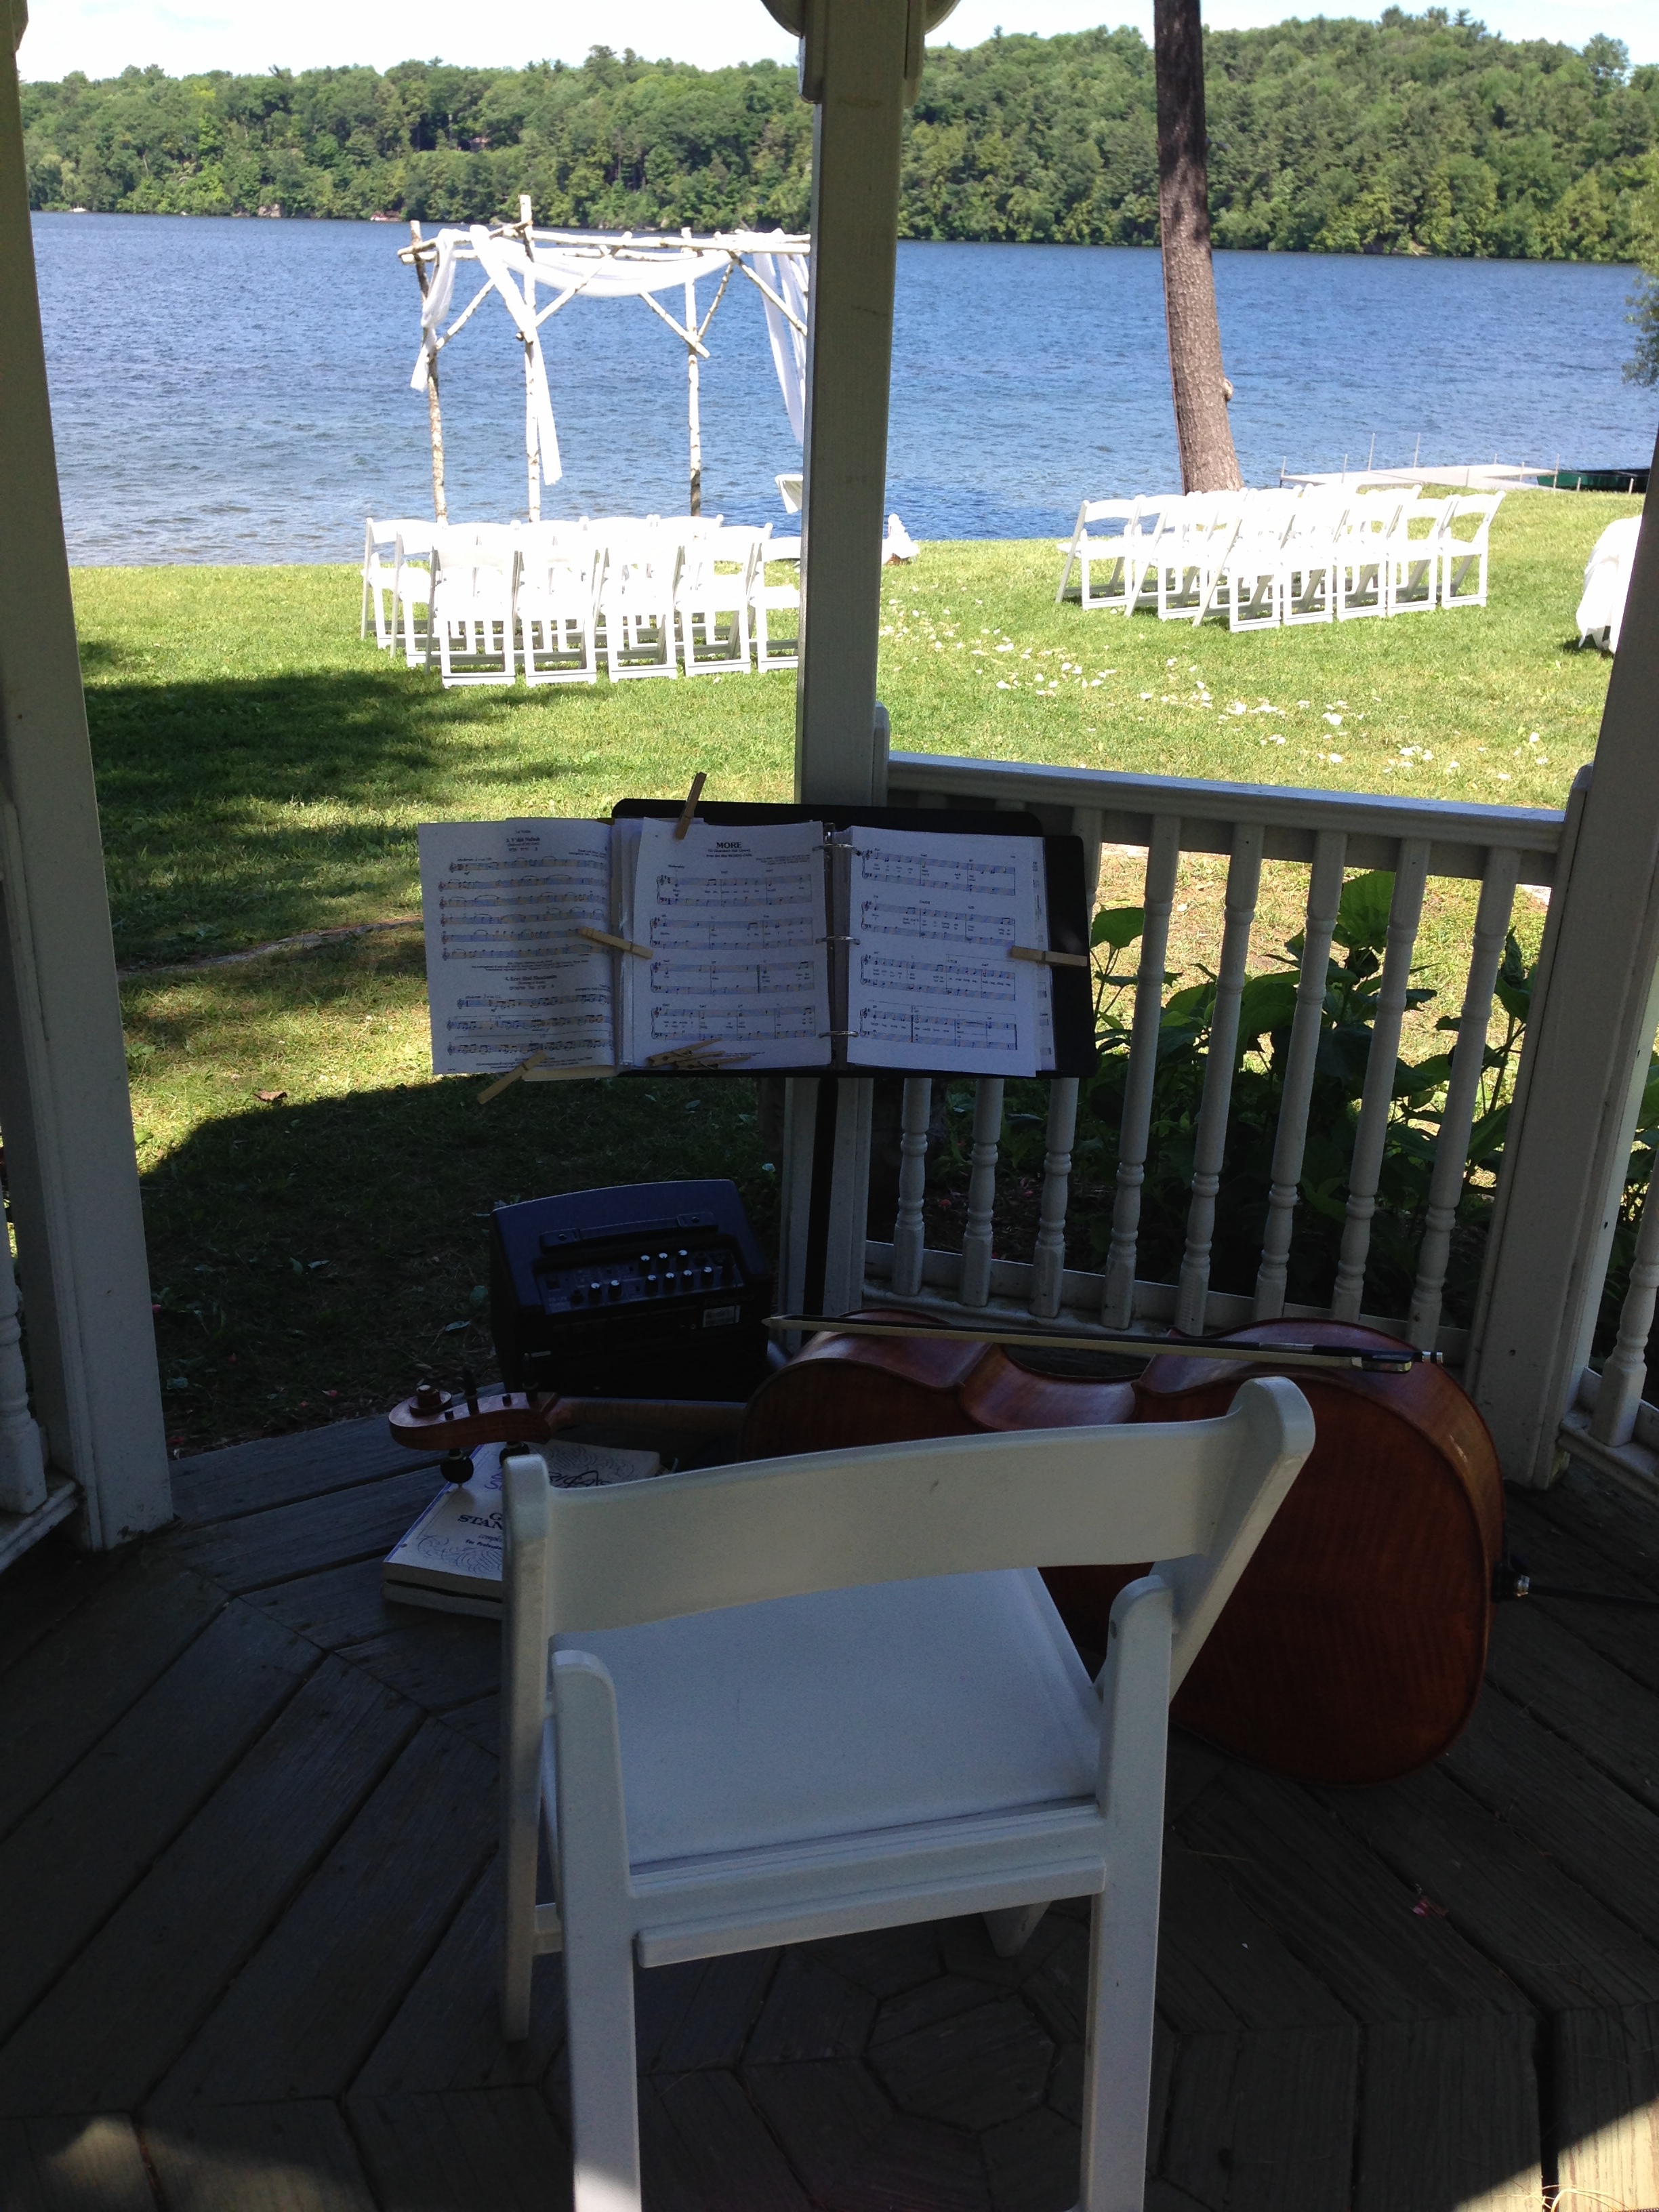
x,y
616,1290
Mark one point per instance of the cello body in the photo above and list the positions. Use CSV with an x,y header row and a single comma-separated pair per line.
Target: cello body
x,y
1353,1648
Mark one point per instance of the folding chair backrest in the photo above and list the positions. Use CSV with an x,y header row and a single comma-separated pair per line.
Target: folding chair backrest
x,y
1124,511
1192,1496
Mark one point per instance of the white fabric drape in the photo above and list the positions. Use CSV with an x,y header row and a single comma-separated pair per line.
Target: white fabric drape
x,y
506,263
434,304
1606,581
786,274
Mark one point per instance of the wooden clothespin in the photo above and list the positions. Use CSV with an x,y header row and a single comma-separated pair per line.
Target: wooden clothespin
x,y
514,1075
688,811
705,1054
616,944
1047,958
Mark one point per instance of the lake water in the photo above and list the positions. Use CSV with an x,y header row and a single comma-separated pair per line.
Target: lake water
x,y
239,391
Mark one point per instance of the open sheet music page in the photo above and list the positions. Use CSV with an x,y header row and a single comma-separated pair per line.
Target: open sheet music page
x,y
735,920
930,982
506,975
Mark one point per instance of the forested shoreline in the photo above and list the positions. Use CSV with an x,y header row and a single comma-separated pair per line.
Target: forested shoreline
x,y
1415,134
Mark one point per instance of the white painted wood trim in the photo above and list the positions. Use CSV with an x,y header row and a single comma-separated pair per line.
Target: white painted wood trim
x,y
18,1531
975,1277
63,1102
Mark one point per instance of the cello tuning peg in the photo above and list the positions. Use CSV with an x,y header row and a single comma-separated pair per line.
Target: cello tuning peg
x,y
456,1465
428,1398
469,1388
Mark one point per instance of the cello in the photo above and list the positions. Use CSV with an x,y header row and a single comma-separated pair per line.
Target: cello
x,y
1353,1648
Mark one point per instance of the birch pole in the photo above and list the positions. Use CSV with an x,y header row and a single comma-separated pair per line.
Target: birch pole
x,y
434,414
694,414
532,441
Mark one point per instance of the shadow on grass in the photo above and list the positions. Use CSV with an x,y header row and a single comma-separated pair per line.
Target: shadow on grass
x,y
309,1263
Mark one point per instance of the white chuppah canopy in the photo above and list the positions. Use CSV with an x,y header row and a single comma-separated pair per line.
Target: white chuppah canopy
x,y
518,261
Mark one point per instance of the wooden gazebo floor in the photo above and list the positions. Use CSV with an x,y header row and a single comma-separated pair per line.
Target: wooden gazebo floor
x,y
246,1824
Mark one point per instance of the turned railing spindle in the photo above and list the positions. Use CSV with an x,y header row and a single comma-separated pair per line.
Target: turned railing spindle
x,y
23,1462
1624,1378
1163,861
1290,1138
1451,1152
1377,1098
1048,1267
909,1230
981,1191
1243,883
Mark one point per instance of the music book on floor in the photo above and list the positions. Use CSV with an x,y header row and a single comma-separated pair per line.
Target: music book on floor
x,y
451,1559
611,947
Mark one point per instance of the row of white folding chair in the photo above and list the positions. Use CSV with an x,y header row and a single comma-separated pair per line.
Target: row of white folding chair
x,y
657,597
1266,557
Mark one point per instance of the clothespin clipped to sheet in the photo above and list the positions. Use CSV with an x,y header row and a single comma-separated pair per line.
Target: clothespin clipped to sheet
x,y
688,811
1047,958
514,1075
689,1056
616,944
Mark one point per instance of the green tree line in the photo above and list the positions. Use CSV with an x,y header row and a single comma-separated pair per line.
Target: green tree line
x,y
1416,134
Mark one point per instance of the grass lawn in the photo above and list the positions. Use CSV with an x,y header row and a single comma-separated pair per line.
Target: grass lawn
x,y
261,773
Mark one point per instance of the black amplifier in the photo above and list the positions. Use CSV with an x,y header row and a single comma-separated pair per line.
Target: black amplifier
x,y
654,1290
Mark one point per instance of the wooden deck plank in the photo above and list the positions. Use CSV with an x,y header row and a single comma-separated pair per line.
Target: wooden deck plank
x,y
121,2014
447,2033
1555,1940
1220,1966
1335,1905
311,2003
256,2157
45,1587
971,2069
286,1540
700,2014
1596,1511
1542,1789
853,2152
1554,1552
88,2163
1448,2118
1606,2106
474,2150
240,1478
810,2012
1578,1695
1031,2163
703,2148
77,1681
480,1722
439,1660
86,1844
1264,2122
332,1606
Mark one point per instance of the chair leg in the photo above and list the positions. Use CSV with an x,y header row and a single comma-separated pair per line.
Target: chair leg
x,y
599,1948
1012,1929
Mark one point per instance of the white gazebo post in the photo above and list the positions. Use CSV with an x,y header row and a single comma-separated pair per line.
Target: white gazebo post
x,y
64,1103
860,63
1583,1070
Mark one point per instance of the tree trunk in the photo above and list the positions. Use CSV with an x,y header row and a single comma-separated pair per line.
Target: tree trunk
x,y
1208,462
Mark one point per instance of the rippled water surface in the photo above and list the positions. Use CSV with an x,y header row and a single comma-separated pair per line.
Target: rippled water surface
x,y
239,391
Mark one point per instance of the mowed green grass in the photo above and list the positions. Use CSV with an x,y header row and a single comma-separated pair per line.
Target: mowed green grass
x,y
261,773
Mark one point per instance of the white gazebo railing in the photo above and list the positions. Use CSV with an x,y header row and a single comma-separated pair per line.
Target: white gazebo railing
x,y
1325,832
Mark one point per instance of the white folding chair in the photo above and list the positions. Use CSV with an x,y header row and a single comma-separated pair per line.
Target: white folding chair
x,y
380,541
1361,565
1311,550
561,573
636,599
470,621
410,586
1192,551
1464,559
776,607
810,1695
1111,549
1412,554
712,601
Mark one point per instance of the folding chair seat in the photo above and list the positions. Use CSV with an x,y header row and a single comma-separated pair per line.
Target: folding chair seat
x,y
1464,559
471,620
713,600
805,1696
1110,548
560,572
636,601
775,608
1191,553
